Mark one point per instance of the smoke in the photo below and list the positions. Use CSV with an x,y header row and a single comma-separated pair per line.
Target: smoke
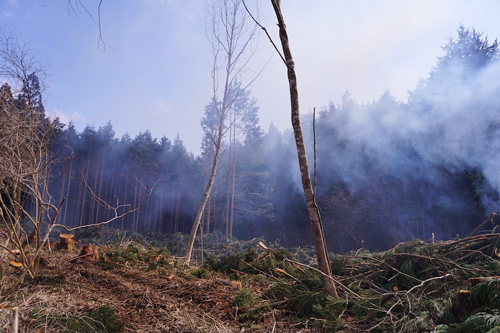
x,y
429,164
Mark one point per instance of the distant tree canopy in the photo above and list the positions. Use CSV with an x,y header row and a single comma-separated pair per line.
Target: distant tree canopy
x,y
387,170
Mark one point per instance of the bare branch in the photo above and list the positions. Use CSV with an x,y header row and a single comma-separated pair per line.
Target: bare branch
x,y
265,30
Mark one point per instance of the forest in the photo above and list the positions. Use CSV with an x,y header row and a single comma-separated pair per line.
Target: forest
x,y
387,170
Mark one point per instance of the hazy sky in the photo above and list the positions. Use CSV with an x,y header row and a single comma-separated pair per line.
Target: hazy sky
x,y
156,76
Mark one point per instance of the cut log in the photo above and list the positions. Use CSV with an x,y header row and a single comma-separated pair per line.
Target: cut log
x,y
67,242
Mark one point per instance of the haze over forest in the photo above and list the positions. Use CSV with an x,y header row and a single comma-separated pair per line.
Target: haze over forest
x,y
387,170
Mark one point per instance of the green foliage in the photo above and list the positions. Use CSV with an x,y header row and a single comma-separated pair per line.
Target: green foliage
x,y
202,273
418,322
244,298
440,308
278,291
443,329
479,322
135,254
235,261
105,316
102,320
250,262
302,301
486,293
338,264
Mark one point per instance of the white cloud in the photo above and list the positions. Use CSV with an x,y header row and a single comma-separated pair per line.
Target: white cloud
x,y
76,117
160,108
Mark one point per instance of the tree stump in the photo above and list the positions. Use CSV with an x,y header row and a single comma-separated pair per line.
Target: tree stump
x,y
89,252
461,303
67,242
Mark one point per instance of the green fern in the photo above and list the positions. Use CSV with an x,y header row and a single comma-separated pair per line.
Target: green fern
x,y
480,322
486,293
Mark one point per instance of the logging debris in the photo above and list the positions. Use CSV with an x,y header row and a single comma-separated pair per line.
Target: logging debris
x,y
415,286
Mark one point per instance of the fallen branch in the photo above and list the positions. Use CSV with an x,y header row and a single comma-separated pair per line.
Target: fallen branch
x,y
488,219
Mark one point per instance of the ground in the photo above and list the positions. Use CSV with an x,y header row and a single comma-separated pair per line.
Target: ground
x,y
137,286
173,301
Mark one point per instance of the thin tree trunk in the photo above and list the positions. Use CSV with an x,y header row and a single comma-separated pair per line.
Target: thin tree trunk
x,y
171,226
65,212
206,216
82,214
125,198
231,220
208,189
112,188
314,215
97,219
177,204
228,180
209,215
157,203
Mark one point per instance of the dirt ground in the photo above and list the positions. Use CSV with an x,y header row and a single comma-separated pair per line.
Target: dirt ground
x,y
146,301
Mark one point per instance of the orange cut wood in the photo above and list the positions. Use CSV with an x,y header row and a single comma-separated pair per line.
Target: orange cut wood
x,y
16,264
67,242
476,280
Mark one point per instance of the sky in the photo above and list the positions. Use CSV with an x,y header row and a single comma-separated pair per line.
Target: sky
x,y
155,72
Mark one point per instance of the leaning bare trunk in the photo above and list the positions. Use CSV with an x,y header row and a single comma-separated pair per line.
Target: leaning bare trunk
x,y
314,216
206,194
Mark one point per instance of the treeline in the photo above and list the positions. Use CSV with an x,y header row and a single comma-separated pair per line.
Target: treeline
x,y
387,170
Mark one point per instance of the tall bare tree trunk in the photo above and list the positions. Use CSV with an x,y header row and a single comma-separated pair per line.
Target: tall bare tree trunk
x,y
177,208
231,219
228,179
208,189
230,40
314,215
65,211
125,198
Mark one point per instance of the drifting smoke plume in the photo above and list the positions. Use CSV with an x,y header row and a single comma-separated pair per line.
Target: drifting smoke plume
x,y
390,170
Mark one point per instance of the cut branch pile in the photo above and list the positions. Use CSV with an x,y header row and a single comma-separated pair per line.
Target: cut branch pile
x,y
418,286
415,286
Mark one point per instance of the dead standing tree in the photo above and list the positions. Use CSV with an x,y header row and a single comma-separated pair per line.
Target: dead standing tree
x,y
231,37
314,215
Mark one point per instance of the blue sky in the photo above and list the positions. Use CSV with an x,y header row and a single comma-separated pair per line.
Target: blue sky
x,y
156,76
